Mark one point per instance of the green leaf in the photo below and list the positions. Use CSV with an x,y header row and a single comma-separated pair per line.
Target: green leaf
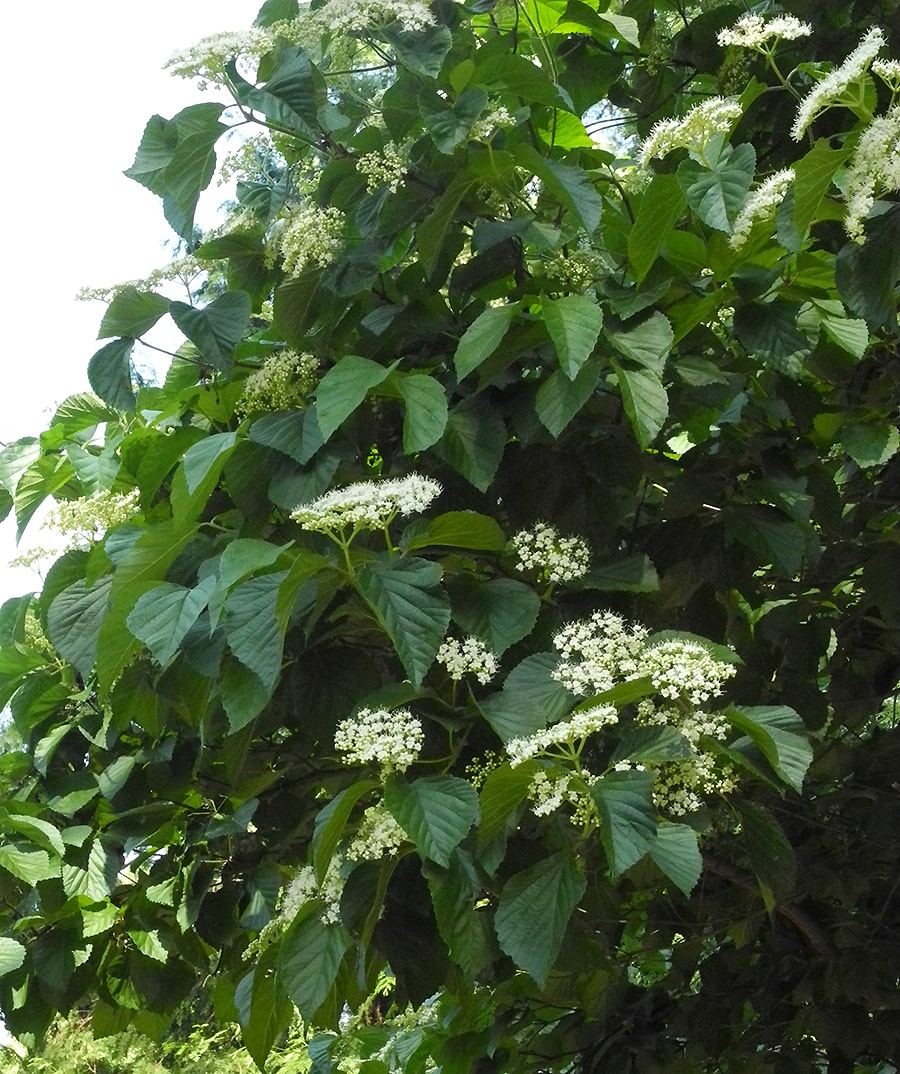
x,y
769,330
534,911
503,791
243,695
163,616
406,597
770,535
624,801
12,955
449,126
343,388
812,178
30,866
628,574
216,329
574,323
252,628
677,854
294,433
482,337
262,1009
661,206
331,822
530,700
132,313
463,928
247,555
500,611
780,735
42,478
645,401
771,854
426,411
293,95
559,399
74,620
648,343
431,234
311,954
870,443
651,745
435,811
109,374
867,275
474,441
421,51
460,529
569,184
717,193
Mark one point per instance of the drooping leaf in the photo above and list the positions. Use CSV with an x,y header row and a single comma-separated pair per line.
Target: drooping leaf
x,y
530,700
311,955
534,911
435,811
717,193
109,374
574,323
343,388
74,620
645,400
780,735
295,433
647,343
12,955
163,615
252,628
771,853
675,851
459,529
331,821
292,96
474,441
410,605
661,206
628,829
559,399
132,313
425,417
870,443
482,337
463,927
216,329
568,183
500,611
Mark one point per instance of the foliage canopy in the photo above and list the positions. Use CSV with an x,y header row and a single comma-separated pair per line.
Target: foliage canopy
x,y
478,642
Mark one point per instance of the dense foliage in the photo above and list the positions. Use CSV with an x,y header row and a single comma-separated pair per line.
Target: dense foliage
x,y
479,641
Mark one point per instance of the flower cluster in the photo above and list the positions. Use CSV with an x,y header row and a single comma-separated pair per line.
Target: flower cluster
x,y
753,31
693,132
577,270
681,668
599,652
383,167
679,786
694,724
282,383
389,738
553,558
468,657
570,732
360,16
379,836
830,90
304,888
484,129
875,163
85,520
207,59
308,236
889,70
761,204
367,505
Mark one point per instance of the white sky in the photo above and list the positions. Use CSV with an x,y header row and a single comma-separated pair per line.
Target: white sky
x,y
80,88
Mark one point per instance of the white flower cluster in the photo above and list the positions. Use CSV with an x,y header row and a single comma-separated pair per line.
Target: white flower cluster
x,y
831,88
567,732
599,652
282,383
889,70
484,129
383,167
681,668
85,520
577,270
753,31
761,204
694,724
713,116
367,505
304,888
359,16
206,60
379,836
554,558
679,786
389,738
468,657
875,164
308,236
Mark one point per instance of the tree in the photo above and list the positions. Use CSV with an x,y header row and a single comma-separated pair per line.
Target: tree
x,y
483,644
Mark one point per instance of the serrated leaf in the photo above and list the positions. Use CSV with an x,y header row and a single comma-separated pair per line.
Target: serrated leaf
x,y
431,233
311,955
530,700
503,791
425,417
216,329
343,388
109,374
291,97
769,330
534,911
12,955
661,206
163,616
717,193
474,441
149,944
295,433
677,854
482,337
645,400
573,323
867,274
647,343
132,313
870,443
569,184
812,178
421,51
435,811
462,927
252,628
460,529
651,745
500,611
407,599
771,853
628,829
30,866
331,821
262,1008
244,695
559,399
74,620
781,737
198,474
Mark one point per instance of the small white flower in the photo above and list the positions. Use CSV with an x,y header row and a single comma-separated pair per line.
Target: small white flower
x,y
379,836
307,236
753,31
598,652
552,557
576,729
367,505
392,739
875,165
682,668
468,657
383,167
760,204
359,16
713,116
207,59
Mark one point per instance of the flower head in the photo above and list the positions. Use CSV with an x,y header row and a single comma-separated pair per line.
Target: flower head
x,y
282,383
360,16
389,738
468,657
379,836
753,31
760,204
554,558
703,122
875,164
680,668
383,167
573,730
207,59
597,653
367,505
308,236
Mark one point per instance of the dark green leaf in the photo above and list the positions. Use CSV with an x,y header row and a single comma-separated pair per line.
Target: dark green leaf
x,y
474,441
216,329
645,401
870,444
650,745
482,338
781,737
500,611
717,193
132,313
163,616
676,853
661,206
647,343
559,399
74,621
252,628
311,955
530,700
628,817
569,184
435,811
295,433
426,411
331,821
463,928
534,911
343,388
109,374
574,323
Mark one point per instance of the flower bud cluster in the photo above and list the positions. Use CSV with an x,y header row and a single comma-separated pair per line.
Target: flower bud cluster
x,y
85,520
282,383
484,129
875,164
383,167
304,887
761,204
367,505
553,558
753,31
379,836
576,271
468,657
571,732
599,652
207,59
680,786
392,739
693,132
308,236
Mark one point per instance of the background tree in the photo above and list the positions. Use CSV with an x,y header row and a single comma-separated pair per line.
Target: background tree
x,y
479,641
